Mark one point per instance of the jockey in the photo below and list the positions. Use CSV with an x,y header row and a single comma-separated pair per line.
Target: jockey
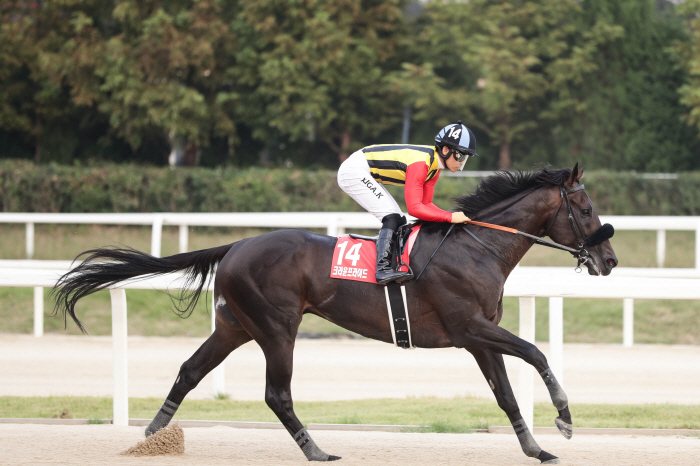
x,y
364,173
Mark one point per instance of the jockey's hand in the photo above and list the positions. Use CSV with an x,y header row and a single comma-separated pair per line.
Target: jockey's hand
x,y
459,217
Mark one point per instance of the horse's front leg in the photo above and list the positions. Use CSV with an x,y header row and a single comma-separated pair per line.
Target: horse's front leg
x,y
494,370
481,333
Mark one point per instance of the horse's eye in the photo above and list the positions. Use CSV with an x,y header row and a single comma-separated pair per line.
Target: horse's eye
x,y
586,212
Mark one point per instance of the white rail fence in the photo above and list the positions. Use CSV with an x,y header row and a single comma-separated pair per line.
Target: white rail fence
x,y
525,283
551,283
335,223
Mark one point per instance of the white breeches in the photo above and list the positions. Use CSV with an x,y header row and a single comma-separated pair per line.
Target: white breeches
x,y
355,178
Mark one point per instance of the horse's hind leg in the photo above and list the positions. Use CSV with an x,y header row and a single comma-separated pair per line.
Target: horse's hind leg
x,y
225,339
493,368
486,335
278,396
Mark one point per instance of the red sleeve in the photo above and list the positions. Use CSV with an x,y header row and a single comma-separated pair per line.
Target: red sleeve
x,y
419,194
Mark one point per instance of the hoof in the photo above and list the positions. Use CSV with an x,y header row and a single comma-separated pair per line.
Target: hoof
x,y
565,428
547,458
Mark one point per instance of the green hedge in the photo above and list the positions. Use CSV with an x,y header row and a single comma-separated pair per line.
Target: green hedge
x,y
26,187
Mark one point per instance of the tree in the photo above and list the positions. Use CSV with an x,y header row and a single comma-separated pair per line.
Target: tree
x,y
316,69
688,54
518,59
630,117
162,71
31,104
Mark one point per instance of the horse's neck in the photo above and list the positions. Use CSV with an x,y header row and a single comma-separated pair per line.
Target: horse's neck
x,y
529,214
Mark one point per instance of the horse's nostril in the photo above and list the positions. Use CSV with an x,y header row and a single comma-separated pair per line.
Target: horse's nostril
x,y
612,262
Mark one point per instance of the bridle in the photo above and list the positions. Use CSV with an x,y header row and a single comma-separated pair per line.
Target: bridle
x,y
580,253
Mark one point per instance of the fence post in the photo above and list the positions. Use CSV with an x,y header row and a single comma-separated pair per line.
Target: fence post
x,y
156,235
120,361
38,311
332,229
218,376
660,248
627,322
556,338
697,246
184,237
30,240
526,380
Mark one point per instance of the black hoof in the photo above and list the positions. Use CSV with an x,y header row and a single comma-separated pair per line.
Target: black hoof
x,y
565,415
547,458
333,458
565,428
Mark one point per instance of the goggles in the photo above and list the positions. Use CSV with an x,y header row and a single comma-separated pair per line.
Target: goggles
x,y
461,156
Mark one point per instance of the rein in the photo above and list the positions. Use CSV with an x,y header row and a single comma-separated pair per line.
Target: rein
x,y
580,253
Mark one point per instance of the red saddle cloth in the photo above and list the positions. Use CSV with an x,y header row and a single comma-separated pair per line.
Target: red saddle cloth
x,y
356,259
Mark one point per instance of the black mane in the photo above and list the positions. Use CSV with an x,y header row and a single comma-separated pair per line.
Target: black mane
x,y
505,184
501,186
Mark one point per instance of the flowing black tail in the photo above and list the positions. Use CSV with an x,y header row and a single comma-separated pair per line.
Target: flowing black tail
x,y
94,274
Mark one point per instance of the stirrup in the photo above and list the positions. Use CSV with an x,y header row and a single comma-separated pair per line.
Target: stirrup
x,y
393,276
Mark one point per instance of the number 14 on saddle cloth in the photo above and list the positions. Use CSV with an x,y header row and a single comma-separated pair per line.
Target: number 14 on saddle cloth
x,y
355,259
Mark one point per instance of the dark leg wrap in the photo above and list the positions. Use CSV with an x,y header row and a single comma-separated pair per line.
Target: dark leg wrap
x,y
529,446
527,442
557,394
563,421
308,446
165,414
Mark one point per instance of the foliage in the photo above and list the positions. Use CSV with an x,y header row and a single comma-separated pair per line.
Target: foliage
x,y
26,187
31,104
318,67
272,82
689,54
157,68
520,60
630,117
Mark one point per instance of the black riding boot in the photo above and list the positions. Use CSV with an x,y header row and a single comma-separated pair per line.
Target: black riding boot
x,y
386,267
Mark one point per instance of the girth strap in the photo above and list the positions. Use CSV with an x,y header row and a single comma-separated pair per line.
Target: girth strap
x,y
398,315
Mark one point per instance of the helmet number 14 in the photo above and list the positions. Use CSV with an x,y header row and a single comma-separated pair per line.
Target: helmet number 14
x,y
454,132
352,255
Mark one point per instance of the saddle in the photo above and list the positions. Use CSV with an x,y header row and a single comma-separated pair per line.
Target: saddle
x,y
402,239
355,256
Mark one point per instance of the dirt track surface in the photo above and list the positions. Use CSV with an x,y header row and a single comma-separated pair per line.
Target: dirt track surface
x,y
101,445
343,369
337,369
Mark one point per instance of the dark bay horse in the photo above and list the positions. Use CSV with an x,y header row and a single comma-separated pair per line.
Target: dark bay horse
x,y
264,285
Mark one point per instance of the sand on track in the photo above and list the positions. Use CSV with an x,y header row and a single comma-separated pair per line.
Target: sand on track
x,y
102,444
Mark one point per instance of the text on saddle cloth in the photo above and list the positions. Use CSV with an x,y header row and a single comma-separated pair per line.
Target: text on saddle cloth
x,y
356,259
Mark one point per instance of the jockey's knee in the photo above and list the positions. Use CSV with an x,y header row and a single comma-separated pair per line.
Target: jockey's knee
x,y
393,221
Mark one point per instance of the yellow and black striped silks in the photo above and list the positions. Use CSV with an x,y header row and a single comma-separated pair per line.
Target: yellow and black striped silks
x,y
388,162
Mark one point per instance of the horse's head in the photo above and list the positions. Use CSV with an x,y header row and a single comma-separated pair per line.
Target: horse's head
x,y
578,226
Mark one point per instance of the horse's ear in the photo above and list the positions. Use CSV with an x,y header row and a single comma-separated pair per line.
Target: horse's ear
x,y
580,173
573,176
